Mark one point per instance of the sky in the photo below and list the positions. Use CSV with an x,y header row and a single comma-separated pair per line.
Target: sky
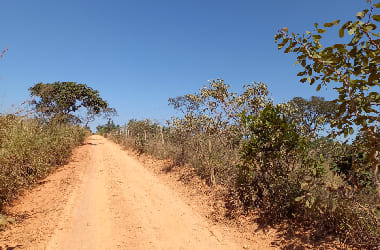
x,y
139,53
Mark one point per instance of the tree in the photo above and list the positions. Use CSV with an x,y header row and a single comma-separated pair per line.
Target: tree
x,y
216,110
107,128
354,67
214,115
312,114
91,114
273,153
143,128
60,100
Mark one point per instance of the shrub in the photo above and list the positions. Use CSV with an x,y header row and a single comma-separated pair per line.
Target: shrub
x,y
282,176
29,150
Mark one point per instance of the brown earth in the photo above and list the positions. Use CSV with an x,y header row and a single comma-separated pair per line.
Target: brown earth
x,y
107,199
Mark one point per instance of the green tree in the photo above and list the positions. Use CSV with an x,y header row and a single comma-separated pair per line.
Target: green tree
x,y
353,68
312,114
145,128
273,161
61,101
107,128
213,116
91,114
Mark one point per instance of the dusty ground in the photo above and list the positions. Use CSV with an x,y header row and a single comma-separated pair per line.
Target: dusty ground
x,y
106,199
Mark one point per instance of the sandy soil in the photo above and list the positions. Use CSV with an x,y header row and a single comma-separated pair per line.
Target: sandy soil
x,y
106,199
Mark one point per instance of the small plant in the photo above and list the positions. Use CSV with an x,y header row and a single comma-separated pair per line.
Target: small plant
x,y
4,220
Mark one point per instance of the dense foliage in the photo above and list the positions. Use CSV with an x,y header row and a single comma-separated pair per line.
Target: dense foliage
x,y
353,69
313,115
62,100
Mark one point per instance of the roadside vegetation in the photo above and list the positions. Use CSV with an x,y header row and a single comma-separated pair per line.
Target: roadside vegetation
x,y
310,161
33,145
30,149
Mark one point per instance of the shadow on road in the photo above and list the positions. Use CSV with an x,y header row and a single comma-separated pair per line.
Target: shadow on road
x,y
10,248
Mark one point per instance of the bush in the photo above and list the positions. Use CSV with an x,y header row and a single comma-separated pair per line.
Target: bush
x,y
282,176
29,150
269,160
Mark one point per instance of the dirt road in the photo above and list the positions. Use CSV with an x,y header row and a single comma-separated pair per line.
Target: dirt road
x,y
104,199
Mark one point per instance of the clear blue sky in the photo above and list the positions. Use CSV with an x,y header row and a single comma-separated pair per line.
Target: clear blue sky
x,y
138,53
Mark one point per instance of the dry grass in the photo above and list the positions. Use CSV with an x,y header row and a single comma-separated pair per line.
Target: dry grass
x,y
327,209
29,150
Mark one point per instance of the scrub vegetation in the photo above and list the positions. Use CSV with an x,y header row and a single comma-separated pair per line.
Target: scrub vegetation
x,y
30,149
34,144
310,161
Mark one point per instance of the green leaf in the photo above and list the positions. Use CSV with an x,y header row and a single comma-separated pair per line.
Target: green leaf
x,y
351,131
377,5
338,46
308,79
316,25
341,32
376,18
319,87
364,123
321,30
345,132
328,25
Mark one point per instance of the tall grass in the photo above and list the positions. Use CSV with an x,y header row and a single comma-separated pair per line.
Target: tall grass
x,y
30,149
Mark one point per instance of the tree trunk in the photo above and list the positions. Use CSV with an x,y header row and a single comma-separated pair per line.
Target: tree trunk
x,y
375,175
211,165
162,137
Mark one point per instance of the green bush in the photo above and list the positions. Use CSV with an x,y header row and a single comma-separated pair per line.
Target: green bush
x,y
282,176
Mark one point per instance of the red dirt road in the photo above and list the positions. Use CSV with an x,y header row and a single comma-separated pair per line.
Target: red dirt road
x,y
105,199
